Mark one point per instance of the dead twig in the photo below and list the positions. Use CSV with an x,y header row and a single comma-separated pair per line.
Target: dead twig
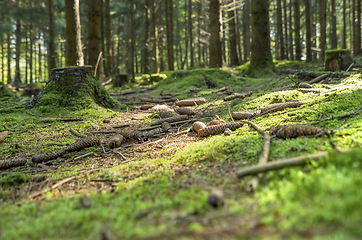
x,y
77,134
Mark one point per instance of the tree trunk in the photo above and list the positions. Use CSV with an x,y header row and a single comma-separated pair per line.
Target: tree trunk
x,y
2,60
132,31
358,29
186,60
26,54
308,30
280,29
334,25
291,49
344,26
298,49
9,81
234,60
146,62
261,59
31,51
215,43
51,47
190,35
169,26
109,54
199,10
73,34
17,80
285,27
94,36
322,22
237,31
222,37
246,30
155,38
40,75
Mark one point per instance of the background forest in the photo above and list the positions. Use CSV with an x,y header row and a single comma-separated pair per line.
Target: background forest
x,y
152,36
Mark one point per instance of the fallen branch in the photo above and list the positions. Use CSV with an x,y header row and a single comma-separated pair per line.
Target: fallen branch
x,y
275,165
77,134
318,79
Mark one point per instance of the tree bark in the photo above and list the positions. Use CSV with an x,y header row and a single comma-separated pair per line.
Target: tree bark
x,y
109,55
186,60
234,60
169,26
17,80
9,80
215,43
298,49
308,31
132,31
246,30
322,22
285,27
190,35
291,49
94,36
31,51
73,34
146,62
155,38
334,25
261,58
2,60
51,46
344,26
280,29
199,22
358,28
40,75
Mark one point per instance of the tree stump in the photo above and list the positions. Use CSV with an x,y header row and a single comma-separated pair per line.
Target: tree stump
x,y
73,88
120,80
338,60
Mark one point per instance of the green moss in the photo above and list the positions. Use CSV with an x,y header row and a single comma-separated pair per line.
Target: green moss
x,y
5,92
333,53
13,179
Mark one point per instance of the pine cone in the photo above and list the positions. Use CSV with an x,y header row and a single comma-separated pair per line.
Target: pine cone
x,y
115,141
217,129
171,120
293,131
44,157
83,143
147,106
304,85
190,102
129,134
308,90
5,164
196,126
238,95
185,111
243,115
3,135
280,106
215,122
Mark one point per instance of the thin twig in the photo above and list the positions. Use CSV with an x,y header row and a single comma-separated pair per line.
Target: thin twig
x,y
77,134
99,58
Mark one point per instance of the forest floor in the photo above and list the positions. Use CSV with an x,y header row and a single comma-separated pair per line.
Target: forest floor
x,y
164,185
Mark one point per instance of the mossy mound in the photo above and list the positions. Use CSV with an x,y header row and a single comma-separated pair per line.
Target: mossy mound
x,y
5,92
74,89
338,60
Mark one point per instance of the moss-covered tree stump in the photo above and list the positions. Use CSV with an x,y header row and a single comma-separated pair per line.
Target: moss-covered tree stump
x,y
338,60
120,80
73,88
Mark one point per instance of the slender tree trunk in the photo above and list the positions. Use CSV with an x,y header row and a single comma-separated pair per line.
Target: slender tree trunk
x,y
222,37
261,59
51,47
146,62
17,79
31,55
40,75
26,54
234,60
215,43
103,46
9,81
73,34
334,25
344,26
358,28
280,29
314,28
186,61
246,30
132,31
322,22
169,26
199,10
2,60
291,48
286,28
237,31
155,38
190,35
298,49
308,30
109,62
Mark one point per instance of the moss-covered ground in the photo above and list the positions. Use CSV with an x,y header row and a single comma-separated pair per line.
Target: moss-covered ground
x,y
158,188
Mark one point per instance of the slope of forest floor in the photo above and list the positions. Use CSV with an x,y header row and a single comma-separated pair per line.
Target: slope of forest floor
x,y
157,187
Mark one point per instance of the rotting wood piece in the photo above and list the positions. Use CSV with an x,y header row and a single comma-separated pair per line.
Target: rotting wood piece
x,y
293,131
5,164
3,135
83,143
190,102
318,79
185,111
217,129
308,90
115,141
196,126
171,120
47,156
238,95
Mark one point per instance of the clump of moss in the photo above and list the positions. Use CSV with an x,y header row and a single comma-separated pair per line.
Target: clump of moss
x,y
13,179
66,92
5,92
